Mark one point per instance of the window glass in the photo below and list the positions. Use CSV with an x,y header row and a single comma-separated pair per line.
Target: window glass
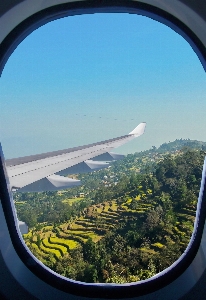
x,y
85,79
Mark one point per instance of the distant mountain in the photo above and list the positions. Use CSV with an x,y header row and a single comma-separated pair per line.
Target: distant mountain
x,y
181,143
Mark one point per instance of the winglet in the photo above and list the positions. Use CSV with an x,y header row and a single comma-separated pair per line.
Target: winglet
x,y
139,130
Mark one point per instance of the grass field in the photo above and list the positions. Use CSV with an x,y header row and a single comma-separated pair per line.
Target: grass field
x,y
70,201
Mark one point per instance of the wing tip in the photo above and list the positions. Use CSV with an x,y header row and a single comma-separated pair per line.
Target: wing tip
x,y
139,130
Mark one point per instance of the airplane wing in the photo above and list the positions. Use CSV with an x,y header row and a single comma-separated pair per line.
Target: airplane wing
x,y
42,172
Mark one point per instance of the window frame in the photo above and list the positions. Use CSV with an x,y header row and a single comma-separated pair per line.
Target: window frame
x,y
112,291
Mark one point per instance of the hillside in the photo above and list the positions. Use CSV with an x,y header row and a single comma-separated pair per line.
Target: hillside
x,y
127,229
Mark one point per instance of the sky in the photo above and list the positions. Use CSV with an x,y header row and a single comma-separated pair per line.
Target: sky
x,y
83,79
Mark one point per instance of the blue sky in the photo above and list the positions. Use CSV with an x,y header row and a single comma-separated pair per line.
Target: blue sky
x,y
88,78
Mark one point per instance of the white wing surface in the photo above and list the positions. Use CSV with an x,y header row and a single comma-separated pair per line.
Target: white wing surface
x,y
42,172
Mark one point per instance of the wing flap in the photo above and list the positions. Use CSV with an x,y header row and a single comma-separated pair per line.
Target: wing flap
x,y
85,167
51,183
108,156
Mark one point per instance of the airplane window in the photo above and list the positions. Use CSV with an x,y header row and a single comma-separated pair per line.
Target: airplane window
x,y
94,216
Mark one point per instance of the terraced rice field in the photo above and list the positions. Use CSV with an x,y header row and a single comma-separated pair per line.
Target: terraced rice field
x,y
94,223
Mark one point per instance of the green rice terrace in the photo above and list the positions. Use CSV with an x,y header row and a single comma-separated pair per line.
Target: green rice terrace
x,y
96,222
127,229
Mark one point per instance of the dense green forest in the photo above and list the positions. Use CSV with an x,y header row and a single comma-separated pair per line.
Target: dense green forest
x,y
132,220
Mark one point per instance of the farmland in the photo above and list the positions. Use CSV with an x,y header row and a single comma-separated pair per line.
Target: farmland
x,y
54,243
135,224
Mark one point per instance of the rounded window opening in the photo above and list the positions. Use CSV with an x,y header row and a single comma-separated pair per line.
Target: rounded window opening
x,y
85,79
